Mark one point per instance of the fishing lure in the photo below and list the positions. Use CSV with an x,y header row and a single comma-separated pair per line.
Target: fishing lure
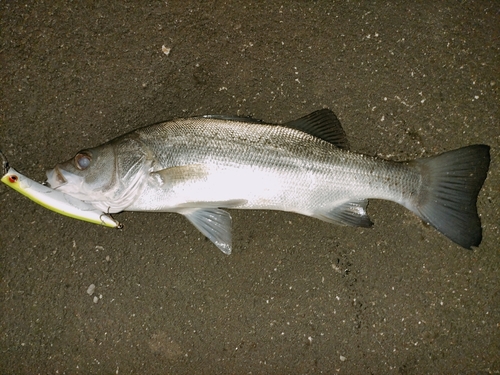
x,y
54,200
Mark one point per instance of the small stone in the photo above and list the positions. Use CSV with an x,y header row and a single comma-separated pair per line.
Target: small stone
x,y
91,289
166,50
96,299
342,358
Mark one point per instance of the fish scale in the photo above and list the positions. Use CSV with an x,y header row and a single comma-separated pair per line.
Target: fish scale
x,y
299,158
295,160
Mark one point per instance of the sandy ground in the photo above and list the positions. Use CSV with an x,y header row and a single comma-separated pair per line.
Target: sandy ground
x,y
297,295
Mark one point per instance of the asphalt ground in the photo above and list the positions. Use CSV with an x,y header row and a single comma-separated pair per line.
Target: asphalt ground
x,y
406,79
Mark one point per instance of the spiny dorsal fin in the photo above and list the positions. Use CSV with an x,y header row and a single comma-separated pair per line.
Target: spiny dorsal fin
x,y
322,124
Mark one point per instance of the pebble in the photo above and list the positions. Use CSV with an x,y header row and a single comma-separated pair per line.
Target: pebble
x,y
166,50
91,289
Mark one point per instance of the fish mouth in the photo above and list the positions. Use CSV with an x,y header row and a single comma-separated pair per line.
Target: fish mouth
x,y
55,178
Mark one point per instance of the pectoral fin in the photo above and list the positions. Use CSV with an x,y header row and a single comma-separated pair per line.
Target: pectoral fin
x,y
350,213
214,223
180,174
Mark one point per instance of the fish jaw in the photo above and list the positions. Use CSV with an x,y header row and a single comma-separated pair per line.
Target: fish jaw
x,y
110,200
55,178
66,182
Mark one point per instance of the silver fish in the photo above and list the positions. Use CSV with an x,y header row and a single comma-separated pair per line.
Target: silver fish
x,y
196,166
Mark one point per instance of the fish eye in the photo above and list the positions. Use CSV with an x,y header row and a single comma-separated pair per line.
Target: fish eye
x,y
82,161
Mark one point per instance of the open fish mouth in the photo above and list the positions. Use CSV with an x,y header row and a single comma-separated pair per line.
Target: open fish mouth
x,y
55,178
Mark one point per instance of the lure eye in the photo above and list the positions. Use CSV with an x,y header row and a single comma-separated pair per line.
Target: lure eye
x,y
13,179
82,161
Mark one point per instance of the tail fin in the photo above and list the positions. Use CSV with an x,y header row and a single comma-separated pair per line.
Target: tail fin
x,y
450,185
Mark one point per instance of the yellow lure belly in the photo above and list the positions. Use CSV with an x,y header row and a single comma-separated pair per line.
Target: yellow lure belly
x,y
57,201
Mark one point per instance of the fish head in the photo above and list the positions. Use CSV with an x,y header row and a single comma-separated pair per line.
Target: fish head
x,y
110,176
89,171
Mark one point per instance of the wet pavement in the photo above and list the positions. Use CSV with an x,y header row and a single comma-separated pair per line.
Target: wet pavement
x,y
297,295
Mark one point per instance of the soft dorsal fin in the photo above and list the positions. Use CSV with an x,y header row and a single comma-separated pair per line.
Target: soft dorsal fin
x,y
233,118
322,124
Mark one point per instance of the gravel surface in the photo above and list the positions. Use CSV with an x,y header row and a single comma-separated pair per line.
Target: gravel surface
x,y
407,79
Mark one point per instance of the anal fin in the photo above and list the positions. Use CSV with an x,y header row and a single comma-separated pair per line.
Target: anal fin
x,y
351,213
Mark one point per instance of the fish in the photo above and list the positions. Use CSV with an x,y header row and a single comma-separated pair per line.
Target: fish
x,y
54,200
198,166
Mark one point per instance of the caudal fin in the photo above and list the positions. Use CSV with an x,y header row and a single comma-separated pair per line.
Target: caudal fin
x,y
450,185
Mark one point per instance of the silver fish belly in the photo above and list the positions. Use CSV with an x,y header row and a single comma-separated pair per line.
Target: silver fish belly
x,y
196,166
